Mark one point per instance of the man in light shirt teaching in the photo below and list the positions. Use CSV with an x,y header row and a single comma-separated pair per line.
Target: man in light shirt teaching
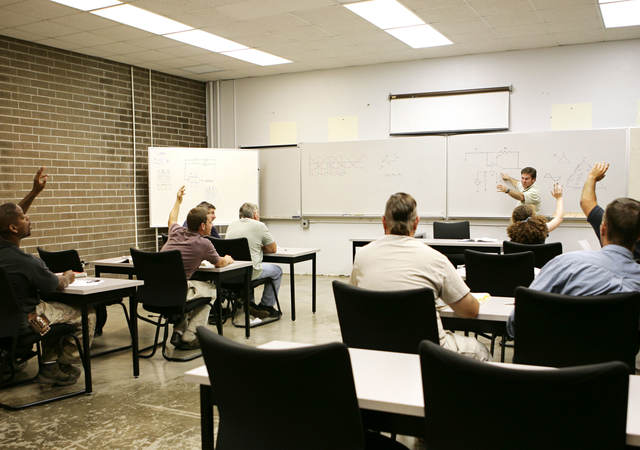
x,y
525,190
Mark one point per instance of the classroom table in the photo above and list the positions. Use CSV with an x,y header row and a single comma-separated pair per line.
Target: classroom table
x,y
123,265
443,245
387,383
85,292
287,255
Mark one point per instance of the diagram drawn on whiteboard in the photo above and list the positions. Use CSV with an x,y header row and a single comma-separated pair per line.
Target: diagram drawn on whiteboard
x,y
489,165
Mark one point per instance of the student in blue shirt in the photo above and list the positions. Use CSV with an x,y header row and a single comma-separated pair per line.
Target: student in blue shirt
x,y
212,213
609,270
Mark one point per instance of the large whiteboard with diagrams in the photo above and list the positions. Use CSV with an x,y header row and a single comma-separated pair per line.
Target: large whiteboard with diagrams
x,y
224,177
476,161
354,178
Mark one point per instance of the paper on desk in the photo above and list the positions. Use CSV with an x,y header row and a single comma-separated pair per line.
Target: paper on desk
x,y
482,297
86,282
206,263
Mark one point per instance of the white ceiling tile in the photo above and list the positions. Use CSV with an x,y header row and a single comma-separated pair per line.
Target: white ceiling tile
x,y
83,21
10,19
41,9
253,9
49,29
20,34
118,48
124,33
88,39
58,43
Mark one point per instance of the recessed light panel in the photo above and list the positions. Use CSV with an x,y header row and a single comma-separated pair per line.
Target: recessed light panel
x,y
420,36
88,5
257,57
142,19
621,14
208,41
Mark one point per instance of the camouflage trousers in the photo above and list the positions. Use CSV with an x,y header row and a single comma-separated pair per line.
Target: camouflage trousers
x,y
64,351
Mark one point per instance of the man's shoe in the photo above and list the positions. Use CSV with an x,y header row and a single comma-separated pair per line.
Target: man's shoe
x,y
191,345
270,310
255,311
53,375
176,339
70,369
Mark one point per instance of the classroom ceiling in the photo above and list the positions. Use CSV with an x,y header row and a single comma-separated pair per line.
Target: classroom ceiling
x,y
314,34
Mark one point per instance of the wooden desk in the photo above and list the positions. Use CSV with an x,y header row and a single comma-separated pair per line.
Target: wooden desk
x,y
443,245
83,294
291,256
217,275
389,383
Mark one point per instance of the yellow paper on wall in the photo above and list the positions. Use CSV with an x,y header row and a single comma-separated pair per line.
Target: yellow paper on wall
x,y
342,128
572,116
283,133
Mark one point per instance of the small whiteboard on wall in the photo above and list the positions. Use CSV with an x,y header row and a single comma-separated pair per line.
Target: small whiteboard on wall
x,y
224,177
449,112
355,178
279,182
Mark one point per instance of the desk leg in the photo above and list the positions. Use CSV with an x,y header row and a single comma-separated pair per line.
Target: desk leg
x,y
313,284
292,283
86,347
353,251
218,307
247,279
206,416
133,324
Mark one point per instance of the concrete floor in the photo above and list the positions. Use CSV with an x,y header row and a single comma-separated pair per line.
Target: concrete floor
x,y
157,410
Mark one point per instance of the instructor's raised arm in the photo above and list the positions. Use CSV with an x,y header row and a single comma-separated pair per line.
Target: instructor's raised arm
x,y
173,215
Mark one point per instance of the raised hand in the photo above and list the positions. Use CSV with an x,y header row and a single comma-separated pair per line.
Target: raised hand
x,y
599,170
39,180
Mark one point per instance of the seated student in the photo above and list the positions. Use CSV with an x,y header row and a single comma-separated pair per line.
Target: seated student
x,y
527,227
30,279
211,212
260,241
607,271
398,261
194,248
589,202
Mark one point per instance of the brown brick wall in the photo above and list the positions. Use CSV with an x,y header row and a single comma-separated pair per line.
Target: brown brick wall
x,y
73,114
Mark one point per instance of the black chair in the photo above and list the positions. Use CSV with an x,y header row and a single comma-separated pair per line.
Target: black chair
x,y
563,330
393,321
17,348
498,275
579,407
63,260
239,251
542,253
164,293
452,230
316,405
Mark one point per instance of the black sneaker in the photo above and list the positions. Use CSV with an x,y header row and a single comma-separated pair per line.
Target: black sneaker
x,y
53,375
255,311
176,339
270,310
191,345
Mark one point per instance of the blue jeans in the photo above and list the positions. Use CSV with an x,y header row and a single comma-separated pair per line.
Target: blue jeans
x,y
274,272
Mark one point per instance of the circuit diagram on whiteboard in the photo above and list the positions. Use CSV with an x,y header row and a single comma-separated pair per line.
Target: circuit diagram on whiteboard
x,y
489,165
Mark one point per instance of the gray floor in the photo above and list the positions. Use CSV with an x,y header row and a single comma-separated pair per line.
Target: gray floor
x,y
158,409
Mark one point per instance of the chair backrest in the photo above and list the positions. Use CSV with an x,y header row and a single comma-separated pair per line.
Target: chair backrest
x,y
314,404
451,230
542,253
394,321
62,260
165,283
580,407
238,248
11,315
498,274
564,330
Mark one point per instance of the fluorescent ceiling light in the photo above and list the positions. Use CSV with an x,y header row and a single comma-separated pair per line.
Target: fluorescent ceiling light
x,y
385,14
87,5
208,41
420,36
621,14
257,57
142,19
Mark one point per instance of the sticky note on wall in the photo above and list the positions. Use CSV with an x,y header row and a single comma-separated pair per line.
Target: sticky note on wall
x,y
283,133
572,116
342,128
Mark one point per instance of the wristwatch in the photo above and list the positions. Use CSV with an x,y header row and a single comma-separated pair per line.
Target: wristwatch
x,y
507,191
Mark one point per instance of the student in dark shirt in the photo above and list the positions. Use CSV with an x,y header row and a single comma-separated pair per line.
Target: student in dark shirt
x,y
212,212
30,278
589,202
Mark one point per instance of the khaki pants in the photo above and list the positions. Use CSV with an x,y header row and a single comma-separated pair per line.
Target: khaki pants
x,y
64,352
198,316
467,346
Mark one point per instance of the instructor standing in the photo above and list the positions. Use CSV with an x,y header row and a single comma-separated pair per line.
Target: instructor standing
x,y
525,190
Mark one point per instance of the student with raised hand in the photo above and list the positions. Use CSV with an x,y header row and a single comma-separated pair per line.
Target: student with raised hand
x,y
194,248
525,191
30,280
527,227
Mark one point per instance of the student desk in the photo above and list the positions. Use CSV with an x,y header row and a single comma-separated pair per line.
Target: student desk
x,y
390,384
444,245
291,256
85,292
122,265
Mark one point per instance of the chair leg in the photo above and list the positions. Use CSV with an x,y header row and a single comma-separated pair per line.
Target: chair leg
x,y
503,344
158,325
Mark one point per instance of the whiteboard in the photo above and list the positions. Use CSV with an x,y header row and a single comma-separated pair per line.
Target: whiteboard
x,y
279,182
475,163
450,113
224,177
357,177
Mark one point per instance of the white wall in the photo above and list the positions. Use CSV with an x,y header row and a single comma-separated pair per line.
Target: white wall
x,y
602,76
